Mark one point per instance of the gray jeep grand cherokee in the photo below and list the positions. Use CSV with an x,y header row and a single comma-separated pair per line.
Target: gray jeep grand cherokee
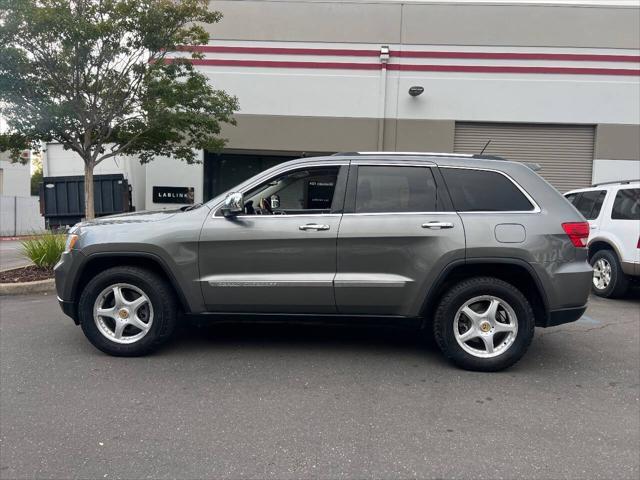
x,y
481,250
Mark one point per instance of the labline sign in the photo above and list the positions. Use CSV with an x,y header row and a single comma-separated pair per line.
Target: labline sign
x,y
173,195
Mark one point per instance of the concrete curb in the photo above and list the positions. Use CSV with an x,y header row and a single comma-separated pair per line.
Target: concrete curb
x,y
24,288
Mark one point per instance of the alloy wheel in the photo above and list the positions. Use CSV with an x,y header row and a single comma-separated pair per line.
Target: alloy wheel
x,y
123,313
485,326
601,274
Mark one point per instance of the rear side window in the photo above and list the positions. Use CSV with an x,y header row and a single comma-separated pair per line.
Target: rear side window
x,y
484,191
395,189
626,205
572,198
590,203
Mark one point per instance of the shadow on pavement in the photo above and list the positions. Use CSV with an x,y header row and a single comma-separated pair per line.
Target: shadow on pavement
x,y
303,336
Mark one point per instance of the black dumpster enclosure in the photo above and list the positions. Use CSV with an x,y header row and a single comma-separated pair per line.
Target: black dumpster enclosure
x,y
62,198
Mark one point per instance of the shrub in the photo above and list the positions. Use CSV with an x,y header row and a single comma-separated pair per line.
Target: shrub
x,y
44,250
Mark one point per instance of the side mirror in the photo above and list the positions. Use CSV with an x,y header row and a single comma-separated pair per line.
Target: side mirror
x,y
233,204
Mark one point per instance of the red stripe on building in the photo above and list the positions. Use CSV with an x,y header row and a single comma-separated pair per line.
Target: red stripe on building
x,y
347,52
418,68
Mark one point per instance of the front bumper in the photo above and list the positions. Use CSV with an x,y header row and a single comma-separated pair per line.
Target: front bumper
x,y
66,272
70,309
565,315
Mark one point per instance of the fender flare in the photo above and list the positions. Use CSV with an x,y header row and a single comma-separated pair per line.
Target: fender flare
x,y
159,261
430,297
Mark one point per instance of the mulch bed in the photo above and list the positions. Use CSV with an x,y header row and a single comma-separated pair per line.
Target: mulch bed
x,y
25,274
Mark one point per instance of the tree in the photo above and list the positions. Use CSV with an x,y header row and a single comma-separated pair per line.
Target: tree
x,y
37,175
97,76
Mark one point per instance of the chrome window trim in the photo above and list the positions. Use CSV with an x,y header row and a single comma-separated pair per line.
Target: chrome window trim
x,y
396,213
536,207
302,215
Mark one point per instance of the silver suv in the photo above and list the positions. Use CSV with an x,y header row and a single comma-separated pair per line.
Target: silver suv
x,y
479,250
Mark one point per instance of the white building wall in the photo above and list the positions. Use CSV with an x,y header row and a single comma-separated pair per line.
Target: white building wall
x,y
287,88
20,215
16,178
612,170
169,172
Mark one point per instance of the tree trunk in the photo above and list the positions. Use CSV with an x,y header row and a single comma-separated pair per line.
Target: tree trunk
x,y
89,210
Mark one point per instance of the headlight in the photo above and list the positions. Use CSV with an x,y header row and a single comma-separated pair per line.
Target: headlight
x,y
71,241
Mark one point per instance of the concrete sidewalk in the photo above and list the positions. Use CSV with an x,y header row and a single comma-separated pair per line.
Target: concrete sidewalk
x,y
11,255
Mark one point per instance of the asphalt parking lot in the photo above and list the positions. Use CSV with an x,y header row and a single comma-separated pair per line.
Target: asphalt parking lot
x,y
286,401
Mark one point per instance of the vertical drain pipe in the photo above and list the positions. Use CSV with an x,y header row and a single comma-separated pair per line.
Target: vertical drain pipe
x,y
382,95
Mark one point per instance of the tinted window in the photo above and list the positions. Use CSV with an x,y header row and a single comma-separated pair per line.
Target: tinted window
x,y
483,191
590,203
302,191
395,189
572,197
626,205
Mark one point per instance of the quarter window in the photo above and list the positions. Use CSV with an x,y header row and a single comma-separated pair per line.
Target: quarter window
x,y
572,198
382,189
483,191
626,205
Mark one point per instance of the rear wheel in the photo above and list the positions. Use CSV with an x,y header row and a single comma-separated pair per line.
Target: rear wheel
x,y
484,324
127,311
609,280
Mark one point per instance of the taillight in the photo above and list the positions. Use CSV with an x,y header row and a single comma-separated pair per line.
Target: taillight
x,y
638,246
578,233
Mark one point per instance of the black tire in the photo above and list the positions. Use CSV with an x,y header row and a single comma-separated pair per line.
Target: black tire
x,y
619,283
466,290
162,299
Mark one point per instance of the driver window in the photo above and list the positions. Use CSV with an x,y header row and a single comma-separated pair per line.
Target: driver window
x,y
304,191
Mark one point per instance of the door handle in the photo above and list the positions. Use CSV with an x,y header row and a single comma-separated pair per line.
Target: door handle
x,y
437,225
313,226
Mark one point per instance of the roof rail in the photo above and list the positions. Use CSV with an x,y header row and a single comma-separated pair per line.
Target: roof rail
x,y
422,154
615,182
533,166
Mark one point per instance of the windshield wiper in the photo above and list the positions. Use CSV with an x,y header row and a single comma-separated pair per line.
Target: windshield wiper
x,y
191,207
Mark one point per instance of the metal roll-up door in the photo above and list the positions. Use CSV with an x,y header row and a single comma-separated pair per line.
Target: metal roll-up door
x,y
565,152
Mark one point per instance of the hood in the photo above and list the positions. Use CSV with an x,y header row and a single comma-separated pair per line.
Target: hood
x,y
132,217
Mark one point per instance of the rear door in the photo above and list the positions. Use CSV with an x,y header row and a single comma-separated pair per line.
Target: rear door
x,y
397,234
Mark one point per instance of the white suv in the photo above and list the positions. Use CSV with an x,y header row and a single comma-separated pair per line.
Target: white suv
x,y
613,212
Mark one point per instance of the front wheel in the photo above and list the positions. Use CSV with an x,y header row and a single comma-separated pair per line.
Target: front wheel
x,y
484,324
127,311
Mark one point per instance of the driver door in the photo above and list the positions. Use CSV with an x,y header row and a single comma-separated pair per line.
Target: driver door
x,y
280,255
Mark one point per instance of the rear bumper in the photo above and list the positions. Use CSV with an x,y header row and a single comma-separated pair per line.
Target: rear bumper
x,y
631,268
565,315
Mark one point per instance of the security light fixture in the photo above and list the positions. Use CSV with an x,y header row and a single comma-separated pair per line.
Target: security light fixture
x,y
416,90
